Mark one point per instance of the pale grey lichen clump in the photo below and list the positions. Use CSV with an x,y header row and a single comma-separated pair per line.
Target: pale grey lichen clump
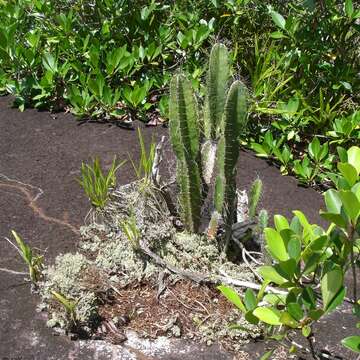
x,y
239,334
66,277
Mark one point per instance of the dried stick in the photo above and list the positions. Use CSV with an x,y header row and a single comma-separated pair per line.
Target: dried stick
x,y
204,279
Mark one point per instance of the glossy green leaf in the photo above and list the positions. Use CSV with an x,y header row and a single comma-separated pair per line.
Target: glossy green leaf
x,y
349,8
294,247
278,35
288,320
351,204
348,172
316,314
333,201
49,63
306,331
314,148
280,222
275,299
356,190
334,218
268,315
251,318
308,297
352,343
295,311
267,355
354,157
276,245
233,297
308,232
269,273
286,269
331,283
311,263
250,299
337,300
278,19
318,244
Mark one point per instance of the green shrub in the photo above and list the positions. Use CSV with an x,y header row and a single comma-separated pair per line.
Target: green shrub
x,y
305,255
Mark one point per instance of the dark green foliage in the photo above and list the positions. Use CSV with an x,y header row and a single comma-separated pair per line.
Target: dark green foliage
x,y
99,57
114,59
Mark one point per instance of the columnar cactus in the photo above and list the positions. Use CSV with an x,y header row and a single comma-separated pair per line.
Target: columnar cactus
x,y
224,120
233,123
217,79
185,135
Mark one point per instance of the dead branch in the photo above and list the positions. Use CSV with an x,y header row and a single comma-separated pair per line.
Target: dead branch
x,y
203,278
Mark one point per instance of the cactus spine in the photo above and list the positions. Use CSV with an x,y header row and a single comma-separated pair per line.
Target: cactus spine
x,y
184,134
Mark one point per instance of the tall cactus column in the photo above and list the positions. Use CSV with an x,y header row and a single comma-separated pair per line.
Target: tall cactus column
x,y
233,123
217,82
184,135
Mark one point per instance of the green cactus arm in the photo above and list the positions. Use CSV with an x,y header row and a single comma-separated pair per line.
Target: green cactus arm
x,y
234,121
218,75
228,147
184,125
190,195
184,136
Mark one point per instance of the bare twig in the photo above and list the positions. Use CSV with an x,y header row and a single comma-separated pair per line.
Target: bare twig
x,y
204,278
13,272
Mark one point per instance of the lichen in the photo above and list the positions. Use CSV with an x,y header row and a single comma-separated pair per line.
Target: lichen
x,y
118,257
66,277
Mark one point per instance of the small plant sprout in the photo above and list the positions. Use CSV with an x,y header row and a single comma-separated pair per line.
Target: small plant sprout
x,y
34,262
143,170
68,304
255,194
132,232
96,184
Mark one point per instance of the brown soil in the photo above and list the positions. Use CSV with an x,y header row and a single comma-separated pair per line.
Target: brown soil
x,y
40,198
152,316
